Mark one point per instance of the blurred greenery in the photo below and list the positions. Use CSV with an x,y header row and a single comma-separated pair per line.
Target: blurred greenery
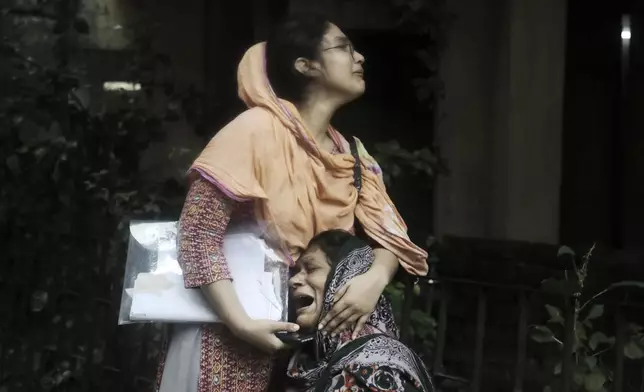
x,y
592,350
70,185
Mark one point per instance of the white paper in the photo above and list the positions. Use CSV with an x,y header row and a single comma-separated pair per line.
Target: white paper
x,y
161,296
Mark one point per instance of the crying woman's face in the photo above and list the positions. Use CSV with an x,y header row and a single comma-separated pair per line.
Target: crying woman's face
x,y
307,285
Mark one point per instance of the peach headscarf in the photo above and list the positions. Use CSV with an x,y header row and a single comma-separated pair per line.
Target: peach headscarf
x,y
267,155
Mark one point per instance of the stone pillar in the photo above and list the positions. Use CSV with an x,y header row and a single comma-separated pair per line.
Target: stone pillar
x,y
469,69
503,70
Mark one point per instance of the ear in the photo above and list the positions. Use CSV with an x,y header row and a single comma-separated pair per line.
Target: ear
x,y
306,67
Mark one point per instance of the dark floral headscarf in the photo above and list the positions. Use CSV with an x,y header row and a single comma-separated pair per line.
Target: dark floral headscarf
x,y
376,360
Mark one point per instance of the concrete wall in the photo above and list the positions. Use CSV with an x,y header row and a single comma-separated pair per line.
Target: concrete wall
x,y
503,71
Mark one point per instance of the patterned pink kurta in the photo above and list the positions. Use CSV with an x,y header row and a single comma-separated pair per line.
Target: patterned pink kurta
x,y
227,363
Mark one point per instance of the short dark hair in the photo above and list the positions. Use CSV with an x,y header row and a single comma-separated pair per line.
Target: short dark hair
x,y
330,242
298,36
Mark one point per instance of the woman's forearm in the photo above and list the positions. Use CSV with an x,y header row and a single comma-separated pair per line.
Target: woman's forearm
x,y
203,224
222,297
385,266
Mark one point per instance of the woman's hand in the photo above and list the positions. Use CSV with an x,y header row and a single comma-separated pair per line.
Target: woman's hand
x,y
261,334
353,304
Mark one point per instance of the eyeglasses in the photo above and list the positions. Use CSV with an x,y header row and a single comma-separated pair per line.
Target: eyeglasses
x,y
348,47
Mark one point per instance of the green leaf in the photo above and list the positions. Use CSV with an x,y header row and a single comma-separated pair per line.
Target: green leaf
x,y
578,376
419,317
555,314
581,331
599,338
633,350
566,250
595,312
594,382
543,334
13,164
557,369
591,362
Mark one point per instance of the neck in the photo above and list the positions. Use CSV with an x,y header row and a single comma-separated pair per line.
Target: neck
x,y
316,115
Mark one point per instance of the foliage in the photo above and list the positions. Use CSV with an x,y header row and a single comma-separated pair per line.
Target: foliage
x,y
397,162
591,365
400,164
422,326
70,184
429,20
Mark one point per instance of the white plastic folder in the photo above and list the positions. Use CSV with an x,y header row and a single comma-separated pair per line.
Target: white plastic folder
x,y
153,286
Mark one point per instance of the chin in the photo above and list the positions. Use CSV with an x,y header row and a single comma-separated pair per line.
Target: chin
x,y
350,91
353,95
306,322
359,89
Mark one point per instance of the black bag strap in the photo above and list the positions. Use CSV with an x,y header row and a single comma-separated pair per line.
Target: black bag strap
x,y
357,167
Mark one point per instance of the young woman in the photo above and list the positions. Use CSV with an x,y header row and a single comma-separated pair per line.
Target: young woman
x,y
375,360
281,163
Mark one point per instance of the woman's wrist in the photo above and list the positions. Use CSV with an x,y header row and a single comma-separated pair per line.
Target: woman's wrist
x,y
384,267
379,277
386,263
238,325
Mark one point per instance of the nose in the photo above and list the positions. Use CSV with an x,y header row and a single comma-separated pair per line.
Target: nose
x,y
296,280
358,57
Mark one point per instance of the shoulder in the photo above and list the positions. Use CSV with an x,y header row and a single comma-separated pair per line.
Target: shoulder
x,y
248,123
256,114
369,161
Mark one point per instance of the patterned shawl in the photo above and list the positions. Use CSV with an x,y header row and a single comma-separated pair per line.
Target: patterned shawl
x,y
376,360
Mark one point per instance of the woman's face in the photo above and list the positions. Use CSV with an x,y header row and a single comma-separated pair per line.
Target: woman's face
x,y
307,285
341,66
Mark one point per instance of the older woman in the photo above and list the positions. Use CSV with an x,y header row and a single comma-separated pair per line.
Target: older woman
x,y
281,163
375,360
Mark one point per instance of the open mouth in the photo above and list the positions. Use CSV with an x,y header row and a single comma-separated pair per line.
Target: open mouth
x,y
303,301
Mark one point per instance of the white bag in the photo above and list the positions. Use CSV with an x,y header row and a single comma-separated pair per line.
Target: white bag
x,y
153,288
